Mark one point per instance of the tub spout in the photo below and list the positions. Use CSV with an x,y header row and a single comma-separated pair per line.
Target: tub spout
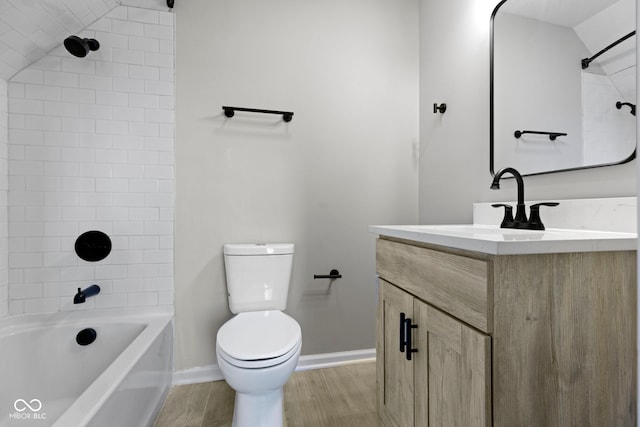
x,y
83,294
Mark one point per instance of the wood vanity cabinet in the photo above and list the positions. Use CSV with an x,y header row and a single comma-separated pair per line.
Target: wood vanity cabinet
x,y
542,340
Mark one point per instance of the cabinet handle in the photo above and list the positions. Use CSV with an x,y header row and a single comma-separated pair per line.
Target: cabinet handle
x,y
403,342
408,328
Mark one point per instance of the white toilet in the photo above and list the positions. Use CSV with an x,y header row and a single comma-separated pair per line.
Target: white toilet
x,y
258,349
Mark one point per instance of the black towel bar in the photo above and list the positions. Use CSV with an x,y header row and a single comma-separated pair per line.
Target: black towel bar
x,y
333,274
230,111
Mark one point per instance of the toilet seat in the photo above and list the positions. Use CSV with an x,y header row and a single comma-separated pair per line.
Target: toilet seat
x,y
259,339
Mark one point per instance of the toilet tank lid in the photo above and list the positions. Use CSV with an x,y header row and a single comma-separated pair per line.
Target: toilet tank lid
x,y
258,248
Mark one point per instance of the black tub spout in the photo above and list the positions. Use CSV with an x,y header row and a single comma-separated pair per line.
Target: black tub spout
x,y
83,294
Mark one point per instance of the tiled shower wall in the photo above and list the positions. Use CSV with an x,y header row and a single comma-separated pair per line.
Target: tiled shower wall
x,y
4,289
91,147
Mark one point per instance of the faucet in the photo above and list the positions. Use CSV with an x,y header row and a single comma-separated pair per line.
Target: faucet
x,y
83,294
520,221
521,215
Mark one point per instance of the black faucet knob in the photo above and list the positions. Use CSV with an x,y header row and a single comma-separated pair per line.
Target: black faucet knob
x,y
535,223
508,220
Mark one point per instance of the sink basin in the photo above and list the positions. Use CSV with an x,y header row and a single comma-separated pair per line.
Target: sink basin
x,y
507,241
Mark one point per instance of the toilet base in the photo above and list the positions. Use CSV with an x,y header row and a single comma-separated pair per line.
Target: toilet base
x,y
259,410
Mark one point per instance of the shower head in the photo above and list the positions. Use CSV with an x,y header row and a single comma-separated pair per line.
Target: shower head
x,y
80,47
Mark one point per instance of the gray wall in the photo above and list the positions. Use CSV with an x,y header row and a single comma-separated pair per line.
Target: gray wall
x,y
349,72
454,147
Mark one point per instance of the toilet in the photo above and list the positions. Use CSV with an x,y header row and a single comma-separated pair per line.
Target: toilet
x,y
258,349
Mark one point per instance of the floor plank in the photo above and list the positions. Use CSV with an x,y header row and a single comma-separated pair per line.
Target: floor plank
x,y
343,396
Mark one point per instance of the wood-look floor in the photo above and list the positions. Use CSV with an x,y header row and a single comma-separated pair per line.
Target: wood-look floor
x,y
331,397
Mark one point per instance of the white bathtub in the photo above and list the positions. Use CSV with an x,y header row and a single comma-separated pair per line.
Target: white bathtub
x,y
121,379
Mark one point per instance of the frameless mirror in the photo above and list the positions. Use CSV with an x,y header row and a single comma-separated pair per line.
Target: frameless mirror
x,y
563,84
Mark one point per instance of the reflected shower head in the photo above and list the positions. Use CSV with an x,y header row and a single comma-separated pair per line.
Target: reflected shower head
x,y
80,47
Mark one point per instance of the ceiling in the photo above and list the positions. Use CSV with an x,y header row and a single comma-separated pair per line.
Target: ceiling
x,y
29,29
568,13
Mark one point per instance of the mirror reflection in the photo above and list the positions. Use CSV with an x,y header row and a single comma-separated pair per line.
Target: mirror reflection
x,y
563,84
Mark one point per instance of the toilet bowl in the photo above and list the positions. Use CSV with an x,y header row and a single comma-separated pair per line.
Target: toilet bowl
x,y
257,353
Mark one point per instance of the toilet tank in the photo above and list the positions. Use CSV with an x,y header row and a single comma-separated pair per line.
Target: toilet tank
x,y
258,275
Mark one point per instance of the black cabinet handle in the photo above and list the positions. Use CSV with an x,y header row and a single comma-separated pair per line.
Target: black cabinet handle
x,y
408,328
403,342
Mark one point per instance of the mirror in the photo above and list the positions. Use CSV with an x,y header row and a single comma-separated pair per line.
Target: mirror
x,y
548,113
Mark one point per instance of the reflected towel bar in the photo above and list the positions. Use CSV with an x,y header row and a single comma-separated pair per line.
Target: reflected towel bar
x,y
333,274
230,111
586,61
552,135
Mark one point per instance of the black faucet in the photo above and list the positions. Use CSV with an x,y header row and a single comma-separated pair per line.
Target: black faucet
x,y
521,216
83,294
520,220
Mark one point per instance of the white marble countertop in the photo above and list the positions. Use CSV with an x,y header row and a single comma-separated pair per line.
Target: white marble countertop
x,y
496,241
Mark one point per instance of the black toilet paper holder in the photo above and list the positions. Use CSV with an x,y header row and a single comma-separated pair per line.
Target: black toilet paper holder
x,y
333,274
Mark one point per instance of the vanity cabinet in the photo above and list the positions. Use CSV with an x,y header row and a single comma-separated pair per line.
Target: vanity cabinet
x,y
504,340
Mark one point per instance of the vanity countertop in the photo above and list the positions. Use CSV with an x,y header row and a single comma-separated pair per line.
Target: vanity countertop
x,y
500,241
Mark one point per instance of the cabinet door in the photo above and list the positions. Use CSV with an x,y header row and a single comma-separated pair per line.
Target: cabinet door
x,y
452,371
394,373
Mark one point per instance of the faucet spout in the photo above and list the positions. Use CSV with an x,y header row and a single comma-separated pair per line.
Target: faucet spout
x,y
83,294
521,215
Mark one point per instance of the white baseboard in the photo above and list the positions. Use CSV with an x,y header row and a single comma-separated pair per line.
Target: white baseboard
x,y
208,373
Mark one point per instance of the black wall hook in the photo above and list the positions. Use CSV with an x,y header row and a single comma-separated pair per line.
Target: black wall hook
x,y
439,108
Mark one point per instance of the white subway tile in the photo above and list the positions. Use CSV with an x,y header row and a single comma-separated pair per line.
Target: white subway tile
x,y
166,18
61,169
126,56
111,69
159,171
74,213
29,260
158,228
143,15
112,214
113,40
63,289
118,99
129,114
77,273
119,185
77,65
144,185
128,285
79,96
26,290
43,183
158,31
167,102
49,93
166,242
26,106
144,129
42,153
144,72
143,157
158,116
16,90
111,156
60,78
144,100
41,305
75,183
158,256
144,214
94,140
144,242
145,44
76,154
45,123
128,228
61,109
112,127
110,272
129,200
128,171
158,284
128,85
60,259
59,198
167,46
43,213
96,112
29,75
95,170
142,299
55,228
70,124
87,81
41,244
25,167
159,144
40,275
162,60
127,27
118,300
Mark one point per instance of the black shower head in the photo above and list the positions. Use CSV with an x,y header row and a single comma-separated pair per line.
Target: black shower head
x,y
80,47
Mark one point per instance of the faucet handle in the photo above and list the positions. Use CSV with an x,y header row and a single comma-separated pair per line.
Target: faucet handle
x,y
507,221
535,223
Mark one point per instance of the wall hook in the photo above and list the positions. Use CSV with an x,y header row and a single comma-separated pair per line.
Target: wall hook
x,y
439,108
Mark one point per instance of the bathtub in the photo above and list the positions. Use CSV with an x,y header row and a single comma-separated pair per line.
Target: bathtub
x,y
121,379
